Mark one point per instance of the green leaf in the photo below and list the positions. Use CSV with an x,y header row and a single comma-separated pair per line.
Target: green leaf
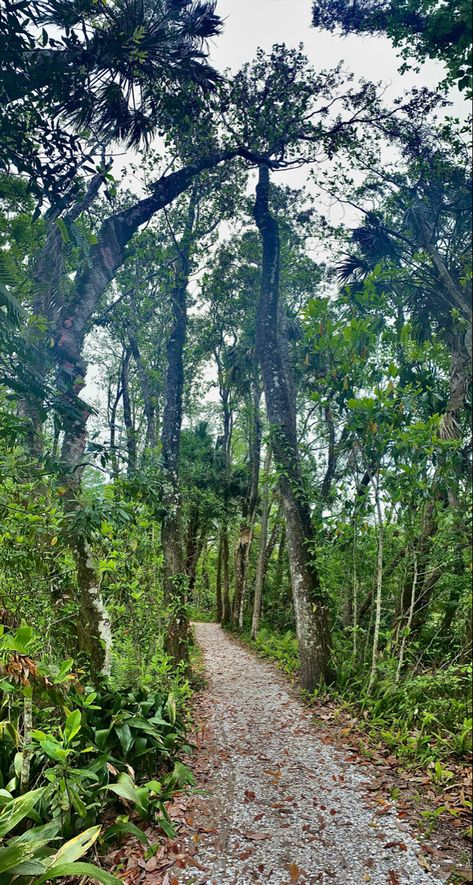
x,y
126,789
171,709
11,856
167,827
54,750
20,640
63,231
15,811
72,726
124,736
128,827
80,869
64,670
76,847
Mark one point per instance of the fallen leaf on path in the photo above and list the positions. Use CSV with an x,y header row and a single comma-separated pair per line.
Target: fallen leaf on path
x,y
424,863
294,872
393,878
257,837
400,845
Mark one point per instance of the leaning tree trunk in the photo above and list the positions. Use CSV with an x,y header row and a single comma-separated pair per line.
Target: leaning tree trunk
x,y
175,579
310,603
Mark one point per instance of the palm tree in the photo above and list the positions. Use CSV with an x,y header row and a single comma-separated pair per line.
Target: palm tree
x,y
120,69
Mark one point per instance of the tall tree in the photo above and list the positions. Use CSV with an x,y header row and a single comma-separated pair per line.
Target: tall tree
x,y
310,602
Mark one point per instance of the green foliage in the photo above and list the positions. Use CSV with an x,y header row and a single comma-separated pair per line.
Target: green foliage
x,y
281,648
435,30
31,856
80,750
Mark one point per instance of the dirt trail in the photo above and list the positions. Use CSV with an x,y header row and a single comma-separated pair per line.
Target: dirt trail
x,y
285,806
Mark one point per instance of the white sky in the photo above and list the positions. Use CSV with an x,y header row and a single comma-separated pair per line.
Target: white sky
x,y
249,24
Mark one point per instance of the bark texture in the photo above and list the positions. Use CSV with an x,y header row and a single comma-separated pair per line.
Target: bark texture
x,y
175,578
310,603
249,510
262,563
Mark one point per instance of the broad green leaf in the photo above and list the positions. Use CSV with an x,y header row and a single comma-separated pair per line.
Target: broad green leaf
x,y
72,726
11,856
128,827
14,812
76,847
80,869
124,736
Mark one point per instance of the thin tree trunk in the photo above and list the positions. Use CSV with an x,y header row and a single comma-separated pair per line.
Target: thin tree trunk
x,y
227,605
355,591
408,626
218,583
113,426
27,751
146,392
128,417
262,552
310,603
379,582
224,392
255,464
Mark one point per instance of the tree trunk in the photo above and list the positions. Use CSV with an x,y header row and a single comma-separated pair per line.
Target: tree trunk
x,y
408,626
218,583
310,603
227,605
146,392
262,552
249,515
27,750
379,583
224,392
112,418
128,417
175,579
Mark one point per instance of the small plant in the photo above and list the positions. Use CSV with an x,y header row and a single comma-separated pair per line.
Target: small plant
x,y
32,857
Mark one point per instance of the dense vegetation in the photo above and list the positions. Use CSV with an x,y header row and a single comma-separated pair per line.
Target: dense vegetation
x,y
276,433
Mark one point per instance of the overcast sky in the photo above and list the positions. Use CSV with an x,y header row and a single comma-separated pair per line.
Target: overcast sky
x,y
253,23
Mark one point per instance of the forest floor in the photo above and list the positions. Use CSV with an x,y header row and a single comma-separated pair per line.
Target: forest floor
x,y
278,800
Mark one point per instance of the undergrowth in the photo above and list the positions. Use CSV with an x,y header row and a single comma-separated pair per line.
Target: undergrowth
x,y
425,718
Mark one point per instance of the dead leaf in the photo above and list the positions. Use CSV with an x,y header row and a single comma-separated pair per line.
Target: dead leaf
x,y
424,863
400,845
257,837
294,872
393,878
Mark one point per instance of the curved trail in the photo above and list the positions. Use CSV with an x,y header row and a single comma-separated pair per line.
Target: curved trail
x,y
284,806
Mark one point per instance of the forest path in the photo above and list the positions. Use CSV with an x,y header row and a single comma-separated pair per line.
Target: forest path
x,y
282,805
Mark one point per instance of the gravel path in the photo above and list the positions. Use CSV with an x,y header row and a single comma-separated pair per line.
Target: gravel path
x,y
286,807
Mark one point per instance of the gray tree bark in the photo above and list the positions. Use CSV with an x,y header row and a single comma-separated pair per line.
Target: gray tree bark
x,y
310,602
